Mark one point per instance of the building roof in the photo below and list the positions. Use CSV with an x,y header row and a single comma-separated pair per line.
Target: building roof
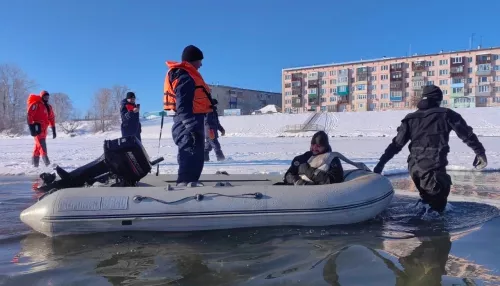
x,y
385,59
239,88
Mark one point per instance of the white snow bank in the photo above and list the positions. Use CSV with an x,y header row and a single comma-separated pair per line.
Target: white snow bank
x,y
271,108
253,146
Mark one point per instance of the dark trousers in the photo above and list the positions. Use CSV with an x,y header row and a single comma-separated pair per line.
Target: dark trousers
x,y
190,158
212,144
433,185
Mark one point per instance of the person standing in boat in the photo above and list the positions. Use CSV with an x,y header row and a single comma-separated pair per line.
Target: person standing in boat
x,y
429,129
187,94
212,126
319,165
129,111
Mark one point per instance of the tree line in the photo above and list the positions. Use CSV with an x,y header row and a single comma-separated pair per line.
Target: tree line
x,y
16,85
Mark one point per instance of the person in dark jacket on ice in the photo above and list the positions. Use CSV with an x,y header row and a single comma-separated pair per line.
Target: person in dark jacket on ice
x,y
429,129
129,111
187,94
212,126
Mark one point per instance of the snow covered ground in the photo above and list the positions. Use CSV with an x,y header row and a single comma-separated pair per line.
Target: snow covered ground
x,y
255,144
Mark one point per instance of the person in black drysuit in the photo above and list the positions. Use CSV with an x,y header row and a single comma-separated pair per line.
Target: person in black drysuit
x,y
318,166
212,125
429,129
129,111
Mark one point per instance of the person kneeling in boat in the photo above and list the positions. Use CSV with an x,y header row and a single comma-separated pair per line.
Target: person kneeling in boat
x,y
319,165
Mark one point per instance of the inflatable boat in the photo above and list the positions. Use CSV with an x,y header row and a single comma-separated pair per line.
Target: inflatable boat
x,y
225,201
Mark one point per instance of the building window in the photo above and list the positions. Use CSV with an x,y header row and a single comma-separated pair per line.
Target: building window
x,y
322,73
384,96
443,72
469,59
333,90
373,77
323,108
457,90
445,91
384,86
429,63
443,62
495,57
469,70
373,87
373,69
457,80
430,73
483,100
456,60
342,79
323,82
313,91
384,77
469,90
384,68
323,99
483,79
333,98
430,82
496,89
496,78
288,77
322,91
496,68
332,73
417,74
496,99
333,81
443,82
469,80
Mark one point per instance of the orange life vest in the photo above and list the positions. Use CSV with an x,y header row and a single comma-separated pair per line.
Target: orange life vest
x,y
202,101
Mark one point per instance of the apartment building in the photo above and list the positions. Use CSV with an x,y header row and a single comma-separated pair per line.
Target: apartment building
x,y
468,78
242,101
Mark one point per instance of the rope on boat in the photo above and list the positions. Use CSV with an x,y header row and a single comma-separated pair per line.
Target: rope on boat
x,y
200,197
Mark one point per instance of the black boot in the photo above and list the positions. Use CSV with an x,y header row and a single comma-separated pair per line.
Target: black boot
x,y
46,160
207,156
220,156
35,161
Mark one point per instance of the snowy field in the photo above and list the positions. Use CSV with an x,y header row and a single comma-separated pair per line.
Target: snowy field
x,y
257,143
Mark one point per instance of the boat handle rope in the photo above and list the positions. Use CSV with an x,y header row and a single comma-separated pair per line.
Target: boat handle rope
x,y
199,197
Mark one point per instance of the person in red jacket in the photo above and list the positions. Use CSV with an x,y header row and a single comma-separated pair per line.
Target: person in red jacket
x,y
40,117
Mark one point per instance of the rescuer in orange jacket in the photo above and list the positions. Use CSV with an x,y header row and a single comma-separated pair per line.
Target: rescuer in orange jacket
x,y
40,117
186,93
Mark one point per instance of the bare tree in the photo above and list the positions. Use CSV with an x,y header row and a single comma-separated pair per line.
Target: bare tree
x,y
415,98
14,89
102,110
62,105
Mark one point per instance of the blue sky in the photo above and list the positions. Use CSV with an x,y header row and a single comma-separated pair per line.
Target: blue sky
x,y
77,47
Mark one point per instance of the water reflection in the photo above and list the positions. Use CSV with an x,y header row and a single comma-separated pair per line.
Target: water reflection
x,y
248,257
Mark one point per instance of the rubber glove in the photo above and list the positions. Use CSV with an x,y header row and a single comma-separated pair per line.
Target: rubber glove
x,y
480,162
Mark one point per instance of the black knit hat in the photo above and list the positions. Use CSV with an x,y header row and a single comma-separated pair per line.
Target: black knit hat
x,y
130,95
432,93
214,101
321,138
191,54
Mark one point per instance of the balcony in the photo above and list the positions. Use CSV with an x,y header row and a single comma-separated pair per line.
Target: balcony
x,y
418,78
418,66
343,73
396,86
417,85
465,102
398,67
297,77
483,59
457,71
483,90
362,70
396,77
312,76
297,91
457,92
297,102
457,85
313,99
362,78
457,61
343,90
396,97
483,69
312,83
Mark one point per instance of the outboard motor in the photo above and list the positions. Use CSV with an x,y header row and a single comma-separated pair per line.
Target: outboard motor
x,y
124,160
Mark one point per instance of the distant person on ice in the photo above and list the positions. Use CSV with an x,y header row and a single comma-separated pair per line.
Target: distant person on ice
x,y
186,93
40,117
212,126
319,165
429,129
131,125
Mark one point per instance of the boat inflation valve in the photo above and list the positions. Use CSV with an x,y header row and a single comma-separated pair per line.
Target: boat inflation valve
x,y
258,196
198,197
